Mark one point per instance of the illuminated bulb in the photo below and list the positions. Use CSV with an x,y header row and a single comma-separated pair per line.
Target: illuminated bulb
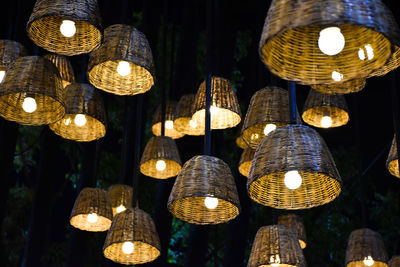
x,y
124,68
293,180
211,202
337,76
29,104
214,110
361,54
80,120
326,121
67,121
369,261
331,41
269,128
370,51
68,28
160,165
2,73
254,136
193,124
128,247
169,125
120,208
92,217
275,260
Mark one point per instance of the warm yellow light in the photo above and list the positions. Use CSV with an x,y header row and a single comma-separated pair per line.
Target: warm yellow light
x,y
331,41
161,165
80,120
120,208
2,74
326,121
29,105
68,28
269,128
254,136
193,123
214,110
92,217
211,202
337,76
169,125
369,261
293,180
366,52
124,68
275,260
67,121
128,247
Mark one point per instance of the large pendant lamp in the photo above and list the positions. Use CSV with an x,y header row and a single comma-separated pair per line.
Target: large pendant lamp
x,y
331,41
31,92
66,27
123,65
9,52
395,261
295,222
245,161
366,248
392,162
348,87
183,117
64,67
120,197
170,128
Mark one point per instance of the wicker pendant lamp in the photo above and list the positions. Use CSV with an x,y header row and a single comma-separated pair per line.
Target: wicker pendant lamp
x,y
9,52
31,92
392,162
92,211
64,67
66,27
395,261
330,41
120,197
276,245
170,128
366,248
240,142
348,87
183,117
296,223
245,161
123,65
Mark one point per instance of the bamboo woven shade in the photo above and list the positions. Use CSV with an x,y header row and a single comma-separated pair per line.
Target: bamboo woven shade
x,y
85,100
202,177
293,148
137,227
319,105
44,26
392,162
127,44
120,197
183,117
365,243
348,87
245,161
295,222
64,67
161,148
240,142
276,245
169,118
34,77
395,261
92,201
289,42
9,52
225,109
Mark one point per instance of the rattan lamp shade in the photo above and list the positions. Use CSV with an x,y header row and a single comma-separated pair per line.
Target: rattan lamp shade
x,y
9,52
240,142
286,150
183,117
276,245
120,197
364,244
161,158
201,178
136,227
170,128
64,67
392,162
225,109
245,161
348,87
296,223
82,100
122,43
92,211
37,78
44,26
395,261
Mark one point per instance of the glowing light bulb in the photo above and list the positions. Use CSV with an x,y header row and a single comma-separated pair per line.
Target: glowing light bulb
x,y
369,261
331,41
124,68
193,123
269,128
92,217
211,202
80,120
161,165
128,247
169,125
67,121
293,180
120,208
29,105
214,110
361,54
2,74
275,260
68,28
370,51
254,136
326,121
337,76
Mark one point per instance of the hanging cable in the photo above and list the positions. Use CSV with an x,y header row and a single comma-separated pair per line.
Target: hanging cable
x,y
164,66
292,103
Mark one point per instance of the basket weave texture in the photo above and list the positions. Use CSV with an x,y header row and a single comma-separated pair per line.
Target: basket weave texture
x,y
240,142
183,117
348,87
245,161
120,195
170,108
395,261
9,52
64,67
392,162
295,222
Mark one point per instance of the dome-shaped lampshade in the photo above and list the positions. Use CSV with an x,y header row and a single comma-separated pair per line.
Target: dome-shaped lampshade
x,y
120,197
9,52
69,27
123,65
366,248
225,109
161,158
92,211
295,222
240,142
132,238
183,117
325,111
276,245
321,42
348,87
31,92
204,192
170,128
392,163
293,169
245,161
85,116
395,261
64,67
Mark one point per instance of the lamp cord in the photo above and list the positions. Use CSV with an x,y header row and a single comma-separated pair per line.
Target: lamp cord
x,y
292,102
164,66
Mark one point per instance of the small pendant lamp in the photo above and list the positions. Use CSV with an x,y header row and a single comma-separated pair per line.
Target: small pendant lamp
x,y
225,109
240,142
293,169
92,211
325,111
123,65
296,223
85,116
392,162
66,27
348,87
276,246
170,128
245,161
31,92
120,197
395,261
366,248
64,67
9,52
183,117
160,158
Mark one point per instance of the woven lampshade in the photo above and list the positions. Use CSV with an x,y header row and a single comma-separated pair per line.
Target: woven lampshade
x,y
276,245
240,142
290,42
395,261
366,244
44,26
64,67
183,117
170,128
319,107
245,161
392,162
9,52
348,87
225,109
295,222
286,150
82,99
92,211
120,197
27,78
160,158
122,43
203,179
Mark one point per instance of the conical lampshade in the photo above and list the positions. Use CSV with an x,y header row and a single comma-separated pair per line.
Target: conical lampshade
x,y
31,92
366,248
348,87
225,109
183,117
392,162
240,142
204,192
170,128
395,261
120,197
293,169
85,116
245,161
9,52
64,67
276,245
132,238
92,211
296,223
325,111
161,158
66,27
123,65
